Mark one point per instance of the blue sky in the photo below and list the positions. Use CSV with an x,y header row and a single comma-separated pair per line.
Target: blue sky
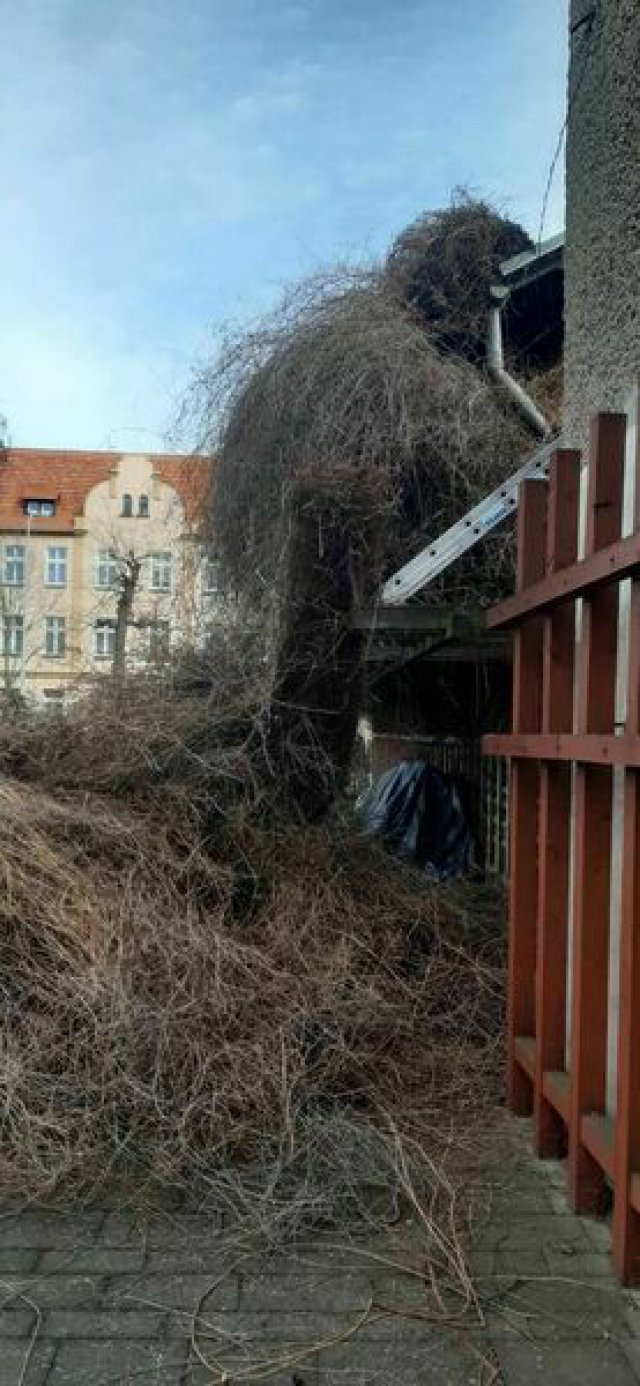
x,y
168,165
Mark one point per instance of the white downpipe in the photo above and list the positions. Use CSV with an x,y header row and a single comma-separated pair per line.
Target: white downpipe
x,y
495,365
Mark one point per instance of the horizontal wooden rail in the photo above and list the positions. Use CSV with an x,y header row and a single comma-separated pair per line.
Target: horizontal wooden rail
x,y
569,662
616,561
590,748
597,1131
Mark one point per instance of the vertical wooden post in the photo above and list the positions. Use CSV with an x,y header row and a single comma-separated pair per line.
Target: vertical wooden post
x,y
626,1218
527,680
592,816
555,805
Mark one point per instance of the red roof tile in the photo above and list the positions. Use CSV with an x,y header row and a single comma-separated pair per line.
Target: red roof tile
x,y
67,477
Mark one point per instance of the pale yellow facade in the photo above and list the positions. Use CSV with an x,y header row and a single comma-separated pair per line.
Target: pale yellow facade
x,y
59,592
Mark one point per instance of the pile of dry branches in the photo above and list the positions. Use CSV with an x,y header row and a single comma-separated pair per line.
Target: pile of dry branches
x,y
196,993
443,265
376,374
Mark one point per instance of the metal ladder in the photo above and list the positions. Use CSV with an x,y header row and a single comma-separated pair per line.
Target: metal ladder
x,y
484,517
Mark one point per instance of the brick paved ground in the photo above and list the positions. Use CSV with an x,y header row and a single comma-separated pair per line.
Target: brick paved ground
x,y
95,1299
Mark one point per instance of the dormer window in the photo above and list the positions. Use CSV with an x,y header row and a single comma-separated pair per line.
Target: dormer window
x,y
127,505
143,507
45,509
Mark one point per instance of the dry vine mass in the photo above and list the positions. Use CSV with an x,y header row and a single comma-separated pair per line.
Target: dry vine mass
x,y
208,981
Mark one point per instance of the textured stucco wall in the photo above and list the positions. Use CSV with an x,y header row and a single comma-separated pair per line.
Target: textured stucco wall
x,y
602,260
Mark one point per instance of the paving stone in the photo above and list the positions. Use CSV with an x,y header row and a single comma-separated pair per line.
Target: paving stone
x,y
631,1352
438,1361
191,1260
554,1172
25,1364
597,1232
522,1263
96,1363
186,1231
119,1229
558,1201
482,1264
558,1309
580,1265
521,1202
17,1322
303,1374
171,1292
631,1314
60,1291
563,1364
104,1324
400,1291
17,1260
533,1233
95,1260
306,1327
45,1229
305,1290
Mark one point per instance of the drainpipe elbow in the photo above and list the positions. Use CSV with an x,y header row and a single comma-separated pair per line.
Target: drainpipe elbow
x,y
496,368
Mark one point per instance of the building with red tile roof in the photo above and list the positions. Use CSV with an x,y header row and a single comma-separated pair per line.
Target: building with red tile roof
x,y
70,522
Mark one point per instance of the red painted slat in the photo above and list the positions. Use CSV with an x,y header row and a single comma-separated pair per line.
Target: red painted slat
x,y
556,1091
523,800
590,749
626,1211
592,807
555,807
615,562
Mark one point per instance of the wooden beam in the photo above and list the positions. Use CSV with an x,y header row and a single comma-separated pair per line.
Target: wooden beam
x,y
555,807
593,795
616,561
588,748
523,801
626,1210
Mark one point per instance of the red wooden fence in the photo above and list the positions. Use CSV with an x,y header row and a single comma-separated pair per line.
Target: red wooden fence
x,y
562,749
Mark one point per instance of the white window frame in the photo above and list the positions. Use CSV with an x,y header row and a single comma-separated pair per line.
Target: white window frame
x,y
13,636
144,506
55,637
161,571
56,566
211,565
104,637
106,569
34,508
15,562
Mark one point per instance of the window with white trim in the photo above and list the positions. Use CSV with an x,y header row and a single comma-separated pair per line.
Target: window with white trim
x,y
127,505
143,507
14,565
104,638
55,570
106,568
13,636
161,572
211,575
43,508
55,636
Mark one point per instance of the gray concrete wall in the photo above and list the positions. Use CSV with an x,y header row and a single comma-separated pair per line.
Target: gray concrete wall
x,y
602,263
602,302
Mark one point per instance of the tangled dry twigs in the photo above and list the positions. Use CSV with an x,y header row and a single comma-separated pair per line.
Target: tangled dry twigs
x,y
379,374
197,992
